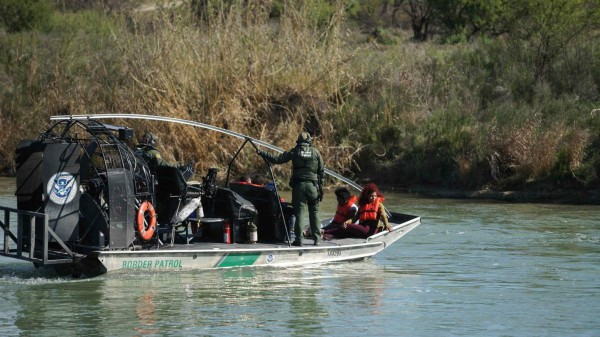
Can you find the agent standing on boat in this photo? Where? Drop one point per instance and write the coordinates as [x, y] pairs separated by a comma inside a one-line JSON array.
[[371, 216], [306, 183]]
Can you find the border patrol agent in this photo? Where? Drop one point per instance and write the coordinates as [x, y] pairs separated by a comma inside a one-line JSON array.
[[306, 183], [147, 150]]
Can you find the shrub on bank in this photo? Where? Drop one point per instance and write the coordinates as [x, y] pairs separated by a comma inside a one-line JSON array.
[[25, 15]]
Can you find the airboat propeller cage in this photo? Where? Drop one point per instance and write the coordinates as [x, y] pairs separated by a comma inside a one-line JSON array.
[[81, 174]]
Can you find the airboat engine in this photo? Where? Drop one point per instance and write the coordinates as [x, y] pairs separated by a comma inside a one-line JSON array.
[[86, 179]]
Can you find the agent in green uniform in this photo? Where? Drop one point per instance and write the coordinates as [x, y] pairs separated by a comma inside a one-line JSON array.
[[306, 183], [147, 150]]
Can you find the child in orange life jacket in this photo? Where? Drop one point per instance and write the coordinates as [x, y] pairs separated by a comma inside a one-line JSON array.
[[370, 213], [346, 209]]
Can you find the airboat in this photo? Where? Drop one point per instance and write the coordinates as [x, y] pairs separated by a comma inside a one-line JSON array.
[[87, 204]]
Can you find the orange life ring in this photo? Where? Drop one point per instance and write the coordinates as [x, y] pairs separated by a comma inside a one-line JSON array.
[[146, 232]]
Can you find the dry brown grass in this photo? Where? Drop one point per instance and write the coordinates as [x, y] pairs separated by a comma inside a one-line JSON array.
[[525, 153], [266, 81]]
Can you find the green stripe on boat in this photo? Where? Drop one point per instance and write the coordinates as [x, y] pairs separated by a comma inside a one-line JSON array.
[[239, 259]]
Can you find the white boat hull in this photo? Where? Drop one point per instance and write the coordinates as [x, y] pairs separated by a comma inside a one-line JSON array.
[[200, 256]]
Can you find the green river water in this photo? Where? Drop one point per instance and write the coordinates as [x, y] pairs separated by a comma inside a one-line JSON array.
[[472, 268]]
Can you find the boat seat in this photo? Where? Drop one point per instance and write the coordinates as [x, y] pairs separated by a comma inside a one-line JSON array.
[[172, 193], [170, 180], [266, 202]]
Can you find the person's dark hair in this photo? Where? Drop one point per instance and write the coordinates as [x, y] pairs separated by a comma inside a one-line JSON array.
[[367, 190], [259, 179], [246, 179], [343, 193]]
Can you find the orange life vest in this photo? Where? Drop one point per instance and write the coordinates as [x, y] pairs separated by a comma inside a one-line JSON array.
[[342, 211], [369, 211], [246, 183]]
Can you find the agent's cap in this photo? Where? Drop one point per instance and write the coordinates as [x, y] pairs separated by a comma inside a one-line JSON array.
[[149, 138], [304, 137]]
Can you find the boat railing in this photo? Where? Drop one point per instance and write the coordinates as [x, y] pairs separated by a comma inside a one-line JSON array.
[[24, 244], [402, 223]]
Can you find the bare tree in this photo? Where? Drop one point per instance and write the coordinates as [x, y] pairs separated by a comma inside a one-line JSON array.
[[420, 13], [395, 8]]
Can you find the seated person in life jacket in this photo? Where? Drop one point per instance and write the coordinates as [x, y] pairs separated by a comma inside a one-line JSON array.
[[346, 209], [147, 150], [371, 216]]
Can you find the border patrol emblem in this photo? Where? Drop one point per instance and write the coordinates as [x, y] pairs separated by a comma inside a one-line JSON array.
[[62, 188]]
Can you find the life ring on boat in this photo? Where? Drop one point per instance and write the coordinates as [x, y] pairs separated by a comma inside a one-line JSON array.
[[146, 232]]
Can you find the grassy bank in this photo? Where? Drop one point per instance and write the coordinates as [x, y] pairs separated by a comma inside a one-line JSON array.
[[470, 115]]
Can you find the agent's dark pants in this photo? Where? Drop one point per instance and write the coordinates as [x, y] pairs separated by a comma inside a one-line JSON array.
[[304, 193]]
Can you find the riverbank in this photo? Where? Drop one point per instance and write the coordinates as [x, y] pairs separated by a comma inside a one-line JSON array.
[[558, 196]]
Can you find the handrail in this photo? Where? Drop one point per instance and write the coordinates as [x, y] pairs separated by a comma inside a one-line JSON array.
[[204, 126], [24, 218], [196, 124]]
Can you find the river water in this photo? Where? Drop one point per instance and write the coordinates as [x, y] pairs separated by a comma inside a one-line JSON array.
[[472, 268]]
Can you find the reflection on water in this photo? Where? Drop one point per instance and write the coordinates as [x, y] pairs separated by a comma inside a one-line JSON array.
[[471, 269], [146, 314], [302, 302], [73, 304]]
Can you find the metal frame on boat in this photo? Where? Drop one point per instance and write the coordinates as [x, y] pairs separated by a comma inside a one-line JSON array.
[[85, 205]]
